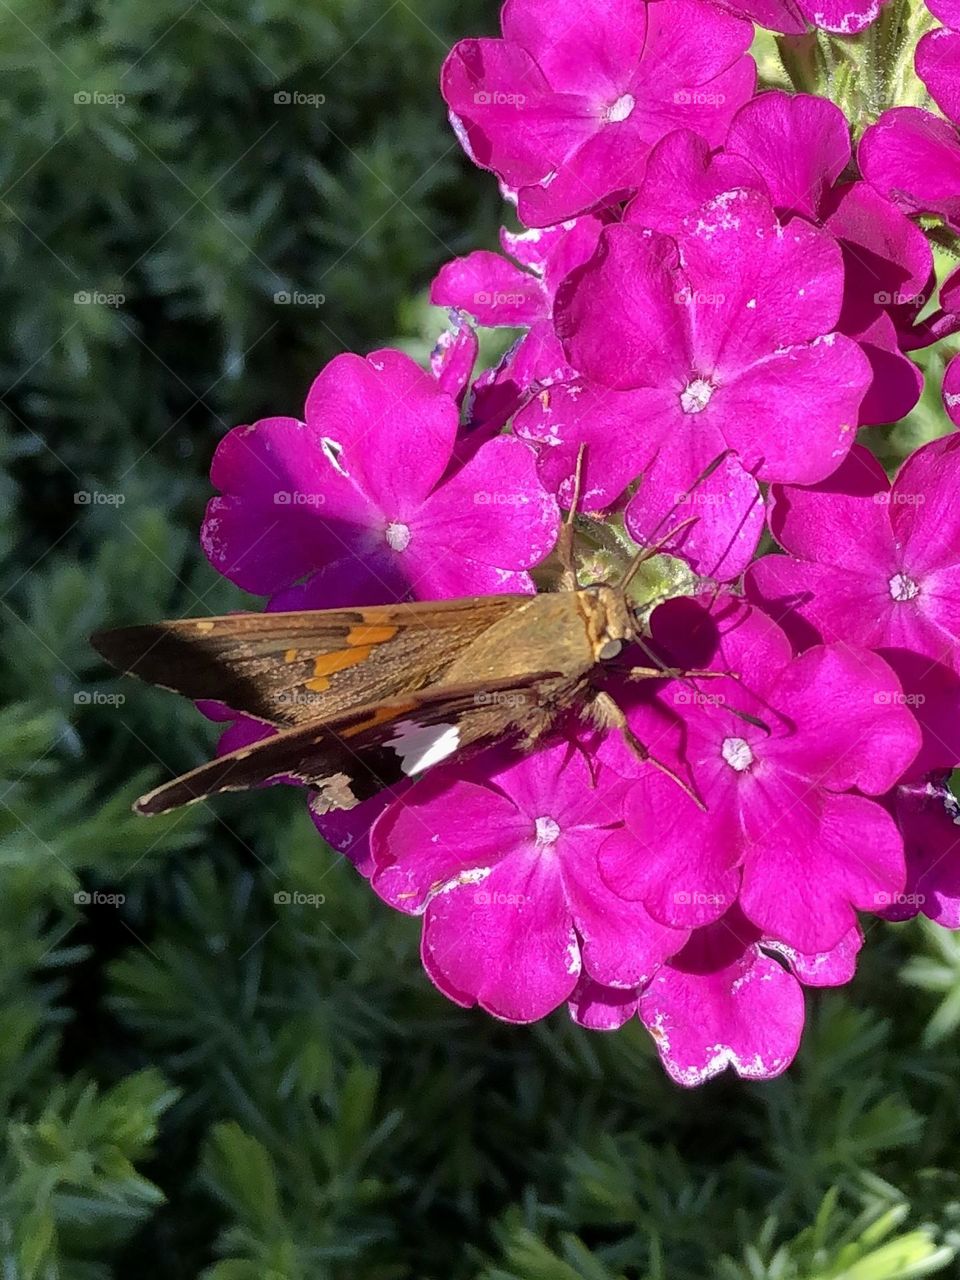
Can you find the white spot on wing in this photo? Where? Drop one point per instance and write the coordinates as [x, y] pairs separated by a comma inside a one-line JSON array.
[[422, 746]]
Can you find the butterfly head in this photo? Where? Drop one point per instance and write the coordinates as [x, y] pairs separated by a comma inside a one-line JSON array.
[[610, 620]]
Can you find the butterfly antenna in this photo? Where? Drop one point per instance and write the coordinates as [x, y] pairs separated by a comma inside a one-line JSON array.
[[565, 541], [651, 550], [655, 659]]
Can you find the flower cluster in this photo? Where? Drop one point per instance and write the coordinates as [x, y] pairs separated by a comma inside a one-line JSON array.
[[716, 287]]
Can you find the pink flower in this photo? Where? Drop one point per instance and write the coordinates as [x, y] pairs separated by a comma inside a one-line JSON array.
[[783, 831], [501, 860], [722, 1001], [566, 106], [360, 495], [869, 563], [913, 158], [725, 334], [794, 148]]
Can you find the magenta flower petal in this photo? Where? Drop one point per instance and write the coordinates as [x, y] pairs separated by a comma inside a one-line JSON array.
[[726, 510], [621, 316], [600, 1008], [815, 859], [841, 16], [945, 11], [798, 144], [722, 1004], [588, 51], [606, 168], [951, 390], [454, 356], [897, 383], [503, 861], [357, 495], [831, 968], [887, 259], [621, 944], [937, 60], [831, 373], [929, 817], [616, 426], [857, 730], [479, 940], [682, 173], [509, 117], [266, 530], [825, 722], [932, 693], [415, 849], [924, 513], [388, 423], [844, 521], [776, 15], [491, 289], [914, 158], [676, 858], [493, 511]]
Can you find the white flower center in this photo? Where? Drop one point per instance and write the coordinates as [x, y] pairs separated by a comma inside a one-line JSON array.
[[903, 588], [737, 753], [548, 830], [621, 109], [696, 395], [398, 536]]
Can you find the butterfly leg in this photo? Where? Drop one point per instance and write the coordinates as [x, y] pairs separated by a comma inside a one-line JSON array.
[[608, 714]]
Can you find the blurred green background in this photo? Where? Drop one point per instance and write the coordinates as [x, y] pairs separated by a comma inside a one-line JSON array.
[[194, 1080]]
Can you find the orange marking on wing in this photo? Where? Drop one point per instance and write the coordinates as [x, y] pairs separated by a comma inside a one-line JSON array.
[[328, 664], [290, 655], [382, 715], [368, 634]]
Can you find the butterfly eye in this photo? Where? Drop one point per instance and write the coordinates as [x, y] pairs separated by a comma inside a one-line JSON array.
[[610, 649]]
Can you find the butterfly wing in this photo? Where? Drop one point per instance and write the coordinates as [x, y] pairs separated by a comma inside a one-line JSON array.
[[353, 756], [291, 668]]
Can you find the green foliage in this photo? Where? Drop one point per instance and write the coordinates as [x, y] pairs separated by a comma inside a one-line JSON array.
[[198, 1078]]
